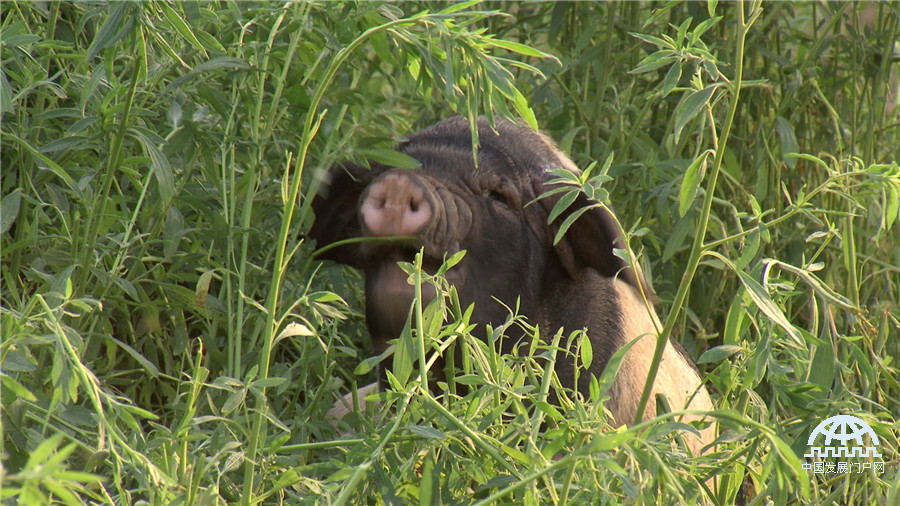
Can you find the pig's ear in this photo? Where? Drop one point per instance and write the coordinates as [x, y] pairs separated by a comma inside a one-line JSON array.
[[335, 207], [589, 242]]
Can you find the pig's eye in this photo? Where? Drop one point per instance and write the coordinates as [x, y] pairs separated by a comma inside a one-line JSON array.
[[498, 195], [499, 189]]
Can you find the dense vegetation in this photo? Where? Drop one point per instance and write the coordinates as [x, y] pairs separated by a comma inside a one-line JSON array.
[[168, 337]]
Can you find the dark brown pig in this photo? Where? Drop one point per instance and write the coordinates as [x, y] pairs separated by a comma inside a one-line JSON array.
[[449, 205]]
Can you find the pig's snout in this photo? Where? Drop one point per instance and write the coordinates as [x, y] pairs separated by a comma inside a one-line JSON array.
[[395, 204]]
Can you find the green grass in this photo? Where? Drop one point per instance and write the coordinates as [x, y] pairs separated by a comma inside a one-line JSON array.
[[168, 337]]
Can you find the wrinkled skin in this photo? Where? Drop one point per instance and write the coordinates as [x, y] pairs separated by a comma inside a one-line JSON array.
[[448, 204]]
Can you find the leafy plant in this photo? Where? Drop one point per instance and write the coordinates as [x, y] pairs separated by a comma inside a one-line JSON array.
[[167, 335]]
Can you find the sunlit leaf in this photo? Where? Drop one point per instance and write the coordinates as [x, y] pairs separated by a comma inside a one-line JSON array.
[[693, 176], [719, 353], [690, 107], [391, 158]]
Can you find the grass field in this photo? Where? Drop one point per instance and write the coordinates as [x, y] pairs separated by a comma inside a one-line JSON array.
[[169, 338]]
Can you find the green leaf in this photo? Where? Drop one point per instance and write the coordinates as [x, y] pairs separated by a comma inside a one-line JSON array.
[[813, 159], [718, 353], [143, 413], [428, 432], [111, 31], [891, 208], [749, 250], [762, 300], [691, 183], [234, 401], [268, 382], [433, 316], [159, 164], [550, 410], [23, 39], [562, 205], [50, 164], [64, 143], [702, 27], [404, 353], [16, 361], [147, 365], [517, 48], [672, 78], [793, 462], [61, 492], [656, 41], [43, 451], [219, 63], [815, 283], [6, 104], [456, 7], [654, 61], [449, 77], [173, 231], [391, 158], [181, 27], [426, 483], [9, 210], [822, 366], [689, 107], [451, 262], [16, 388], [682, 31], [606, 441], [568, 223], [202, 288], [788, 141], [565, 143], [517, 455], [679, 233], [863, 361], [471, 380], [369, 364], [77, 476], [521, 104], [735, 321], [611, 370], [587, 351], [208, 41], [295, 329]]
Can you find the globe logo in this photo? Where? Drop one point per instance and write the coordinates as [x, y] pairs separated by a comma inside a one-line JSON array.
[[843, 428]]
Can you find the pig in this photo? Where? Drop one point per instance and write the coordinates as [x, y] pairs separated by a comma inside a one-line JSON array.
[[490, 210]]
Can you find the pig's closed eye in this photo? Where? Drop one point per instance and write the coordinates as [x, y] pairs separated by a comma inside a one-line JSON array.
[[500, 190], [499, 196]]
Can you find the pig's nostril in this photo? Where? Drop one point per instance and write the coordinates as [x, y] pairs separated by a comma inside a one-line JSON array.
[[395, 204]]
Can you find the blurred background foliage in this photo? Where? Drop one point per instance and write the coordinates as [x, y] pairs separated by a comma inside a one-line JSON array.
[[167, 336]]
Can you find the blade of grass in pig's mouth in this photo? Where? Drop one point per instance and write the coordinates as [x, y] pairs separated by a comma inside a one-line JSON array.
[[394, 240]]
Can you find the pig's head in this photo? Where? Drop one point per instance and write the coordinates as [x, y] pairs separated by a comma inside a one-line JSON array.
[[448, 204]]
